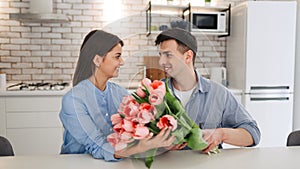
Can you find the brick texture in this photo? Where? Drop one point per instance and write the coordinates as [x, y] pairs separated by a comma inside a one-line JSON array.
[[31, 51]]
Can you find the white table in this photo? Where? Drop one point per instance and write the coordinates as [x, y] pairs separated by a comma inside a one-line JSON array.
[[241, 158]]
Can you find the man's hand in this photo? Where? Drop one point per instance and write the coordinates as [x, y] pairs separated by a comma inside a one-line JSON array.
[[213, 137]]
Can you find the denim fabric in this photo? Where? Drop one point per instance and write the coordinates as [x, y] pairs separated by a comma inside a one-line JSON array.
[[212, 105], [85, 115]]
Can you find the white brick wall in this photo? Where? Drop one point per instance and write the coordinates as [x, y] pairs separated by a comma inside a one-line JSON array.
[[49, 51]]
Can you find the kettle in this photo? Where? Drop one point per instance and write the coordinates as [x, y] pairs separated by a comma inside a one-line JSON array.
[[218, 74]]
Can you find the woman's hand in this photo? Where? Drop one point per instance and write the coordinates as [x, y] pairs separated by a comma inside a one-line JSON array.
[[177, 146], [162, 139]]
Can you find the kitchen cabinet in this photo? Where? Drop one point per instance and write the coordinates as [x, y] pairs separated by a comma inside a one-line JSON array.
[[32, 124], [185, 12], [2, 116], [30, 121]]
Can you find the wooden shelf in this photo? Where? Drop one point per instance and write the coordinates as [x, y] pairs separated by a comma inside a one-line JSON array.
[[198, 33]]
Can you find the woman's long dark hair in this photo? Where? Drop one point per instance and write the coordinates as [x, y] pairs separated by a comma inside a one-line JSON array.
[[96, 42]]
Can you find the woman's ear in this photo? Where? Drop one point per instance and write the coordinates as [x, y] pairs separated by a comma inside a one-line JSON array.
[[97, 60]]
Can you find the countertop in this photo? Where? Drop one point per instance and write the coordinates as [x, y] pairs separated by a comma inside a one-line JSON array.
[[35, 92], [132, 86], [245, 158]]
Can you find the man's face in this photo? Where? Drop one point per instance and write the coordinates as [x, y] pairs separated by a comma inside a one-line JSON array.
[[171, 60]]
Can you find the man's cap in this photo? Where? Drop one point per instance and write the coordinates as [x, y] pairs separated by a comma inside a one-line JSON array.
[[179, 34]]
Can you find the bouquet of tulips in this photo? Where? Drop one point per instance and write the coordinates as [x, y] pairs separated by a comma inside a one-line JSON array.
[[149, 109]]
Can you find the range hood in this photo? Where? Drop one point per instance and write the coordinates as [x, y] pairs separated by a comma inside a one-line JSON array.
[[40, 11]]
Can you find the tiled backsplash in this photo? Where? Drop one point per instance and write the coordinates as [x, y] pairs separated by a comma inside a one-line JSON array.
[[48, 51]]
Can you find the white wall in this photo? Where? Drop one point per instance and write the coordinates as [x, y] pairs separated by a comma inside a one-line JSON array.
[[48, 51], [297, 74]]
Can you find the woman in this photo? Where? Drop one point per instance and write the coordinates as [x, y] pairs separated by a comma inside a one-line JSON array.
[[88, 106]]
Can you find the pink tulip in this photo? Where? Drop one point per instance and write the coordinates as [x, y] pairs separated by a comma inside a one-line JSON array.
[[146, 82], [167, 121], [144, 117], [126, 137], [128, 126], [125, 101], [145, 114], [113, 138], [131, 110], [140, 92], [157, 85], [146, 106], [118, 128], [156, 97], [115, 118], [140, 132]]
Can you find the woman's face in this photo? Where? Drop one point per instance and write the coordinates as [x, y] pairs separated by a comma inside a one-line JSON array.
[[111, 62]]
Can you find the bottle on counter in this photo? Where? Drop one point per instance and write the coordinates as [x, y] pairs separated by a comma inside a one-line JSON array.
[[2, 81]]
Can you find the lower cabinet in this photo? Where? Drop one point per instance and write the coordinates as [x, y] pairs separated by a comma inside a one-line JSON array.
[[32, 124], [2, 117]]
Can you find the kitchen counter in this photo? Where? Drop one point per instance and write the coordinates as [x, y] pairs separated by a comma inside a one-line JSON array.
[[130, 86], [35, 93], [246, 158]]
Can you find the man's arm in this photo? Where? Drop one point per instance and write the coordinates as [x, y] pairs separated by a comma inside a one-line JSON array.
[[237, 137]]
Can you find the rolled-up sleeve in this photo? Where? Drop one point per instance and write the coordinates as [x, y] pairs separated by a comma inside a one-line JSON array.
[[236, 116]]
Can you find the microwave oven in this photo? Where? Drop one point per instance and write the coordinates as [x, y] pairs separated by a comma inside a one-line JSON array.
[[208, 21]]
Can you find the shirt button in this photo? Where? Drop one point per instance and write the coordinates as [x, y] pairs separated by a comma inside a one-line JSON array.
[[106, 114]]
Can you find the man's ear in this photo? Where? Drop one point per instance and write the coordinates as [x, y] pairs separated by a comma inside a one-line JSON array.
[[97, 60], [189, 56]]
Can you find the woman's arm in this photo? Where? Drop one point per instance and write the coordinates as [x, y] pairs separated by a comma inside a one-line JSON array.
[[82, 131]]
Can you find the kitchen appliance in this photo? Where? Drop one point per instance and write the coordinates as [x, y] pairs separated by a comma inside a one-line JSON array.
[[45, 86], [260, 62], [218, 74], [40, 11], [208, 21]]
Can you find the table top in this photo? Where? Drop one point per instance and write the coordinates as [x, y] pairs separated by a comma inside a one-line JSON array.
[[246, 158]]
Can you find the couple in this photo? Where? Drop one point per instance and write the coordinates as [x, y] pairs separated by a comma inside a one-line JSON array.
[[88, 106]]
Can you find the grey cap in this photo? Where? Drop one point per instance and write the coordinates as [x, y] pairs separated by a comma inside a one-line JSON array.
[[179, 34]]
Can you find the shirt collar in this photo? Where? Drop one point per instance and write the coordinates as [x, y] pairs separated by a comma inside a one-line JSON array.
[[92, 86], [203, 84]]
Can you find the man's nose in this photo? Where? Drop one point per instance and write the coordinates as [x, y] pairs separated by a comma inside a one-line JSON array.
[[161, 61]]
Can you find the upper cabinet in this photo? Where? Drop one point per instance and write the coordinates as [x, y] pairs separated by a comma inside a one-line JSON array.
[[210, 20]]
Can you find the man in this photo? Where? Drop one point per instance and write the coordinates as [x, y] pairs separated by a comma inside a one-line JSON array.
[[212, 106]]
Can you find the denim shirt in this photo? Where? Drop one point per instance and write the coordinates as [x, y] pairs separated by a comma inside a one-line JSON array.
[[211, 106], [85, 115]]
